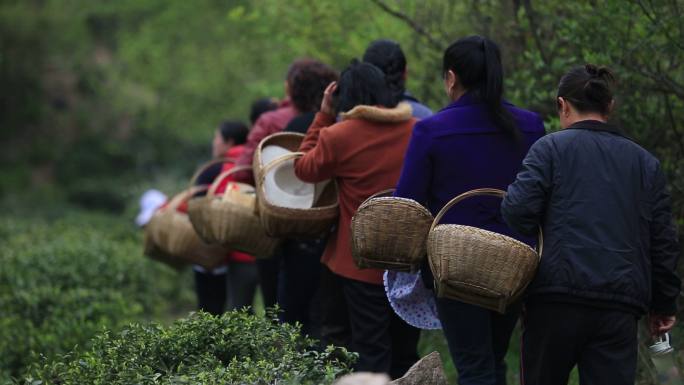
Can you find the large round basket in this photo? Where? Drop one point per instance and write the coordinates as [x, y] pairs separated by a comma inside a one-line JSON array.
[[390, 233], [290, 222], [229, 219], [173, 239], [477, 266]]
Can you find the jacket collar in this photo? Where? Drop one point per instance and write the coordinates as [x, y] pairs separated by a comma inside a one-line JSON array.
[[468, 99], [595, 125], [235, 151], [401, 113]]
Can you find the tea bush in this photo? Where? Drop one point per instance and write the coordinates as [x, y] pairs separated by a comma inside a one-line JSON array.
[[236, 348], [63, 281]]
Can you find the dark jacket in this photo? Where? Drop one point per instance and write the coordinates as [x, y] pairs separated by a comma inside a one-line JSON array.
[[301, 123], [609, 238]]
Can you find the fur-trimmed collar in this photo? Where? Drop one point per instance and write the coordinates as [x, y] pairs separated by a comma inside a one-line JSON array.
[[401, 113]]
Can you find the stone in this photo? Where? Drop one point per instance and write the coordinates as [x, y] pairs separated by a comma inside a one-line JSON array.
[[363, 378], [427, 371]]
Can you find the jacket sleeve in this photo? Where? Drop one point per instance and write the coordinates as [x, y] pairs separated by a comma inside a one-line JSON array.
[[416, 172], [319, 160], [525, 203], [665, 283]]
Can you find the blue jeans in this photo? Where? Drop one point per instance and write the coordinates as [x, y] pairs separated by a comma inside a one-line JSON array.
[[478, 340]]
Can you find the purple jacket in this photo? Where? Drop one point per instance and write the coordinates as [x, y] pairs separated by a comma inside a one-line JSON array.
[[459, 149]]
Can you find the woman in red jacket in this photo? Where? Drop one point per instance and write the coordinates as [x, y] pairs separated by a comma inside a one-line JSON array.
[[364, 153], [235, 282]]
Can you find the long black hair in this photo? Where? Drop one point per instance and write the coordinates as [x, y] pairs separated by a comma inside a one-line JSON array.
[[588, 88], [389, 57], [476, 61], [362, 84]]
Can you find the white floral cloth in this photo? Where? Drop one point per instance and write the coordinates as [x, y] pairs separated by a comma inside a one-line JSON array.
[[411, 300]]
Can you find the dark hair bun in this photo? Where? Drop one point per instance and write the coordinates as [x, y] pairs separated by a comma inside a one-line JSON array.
[[588, 88]]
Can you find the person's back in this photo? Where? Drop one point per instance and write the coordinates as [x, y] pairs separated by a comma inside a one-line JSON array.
[[601, 200], [466, 151], [610, 245], [364, 153]]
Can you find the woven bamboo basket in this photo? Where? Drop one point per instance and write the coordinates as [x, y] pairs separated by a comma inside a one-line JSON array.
[[153, 251], [477, 266], [229, 219], [289, 222], [173, 239], [390, 233]]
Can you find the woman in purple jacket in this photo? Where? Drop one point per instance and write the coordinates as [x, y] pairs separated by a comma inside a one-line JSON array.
[[479, 140]]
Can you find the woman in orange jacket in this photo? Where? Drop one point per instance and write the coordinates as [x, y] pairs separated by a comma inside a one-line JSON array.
[[363, 152]]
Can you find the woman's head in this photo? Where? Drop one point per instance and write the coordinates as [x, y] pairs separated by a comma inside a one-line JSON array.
[[260, 106], [362, 84], [228, 134], [306, 81], [389, 57], [585, 92], [473, 64]]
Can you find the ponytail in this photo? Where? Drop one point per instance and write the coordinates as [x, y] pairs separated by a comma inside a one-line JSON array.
[[476, 61], [491, 90]]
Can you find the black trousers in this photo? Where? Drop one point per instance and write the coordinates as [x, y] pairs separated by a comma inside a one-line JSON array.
[[558, 336], [335, 327], [269, 269], [478, 340], [233, 289], [298, 282], [385, 343]]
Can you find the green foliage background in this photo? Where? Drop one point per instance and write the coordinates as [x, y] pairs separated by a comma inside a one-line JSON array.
[[100, 100]]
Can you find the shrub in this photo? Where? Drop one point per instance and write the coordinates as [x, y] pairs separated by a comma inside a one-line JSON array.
[[64, 281], [236, 348]]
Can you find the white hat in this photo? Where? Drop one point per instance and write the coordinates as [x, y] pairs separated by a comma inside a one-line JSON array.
[[281, 185], [150, 201]]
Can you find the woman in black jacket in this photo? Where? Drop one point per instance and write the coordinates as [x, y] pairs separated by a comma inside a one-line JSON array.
[[610, 244]]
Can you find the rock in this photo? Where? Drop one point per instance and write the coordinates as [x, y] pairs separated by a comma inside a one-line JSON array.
[[363, 379], [427, 371]]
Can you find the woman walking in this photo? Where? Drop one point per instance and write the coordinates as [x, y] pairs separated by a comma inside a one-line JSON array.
[[477, 141], [610, 243], [363, 153]]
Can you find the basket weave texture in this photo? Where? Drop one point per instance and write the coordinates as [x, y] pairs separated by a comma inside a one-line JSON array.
[[171, 238], [477, 266], [289, 222], [390, 233], [229, 220]]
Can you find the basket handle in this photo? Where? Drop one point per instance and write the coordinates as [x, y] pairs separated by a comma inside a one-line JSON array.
[[277, 134], [277, 161], [223, 176], [382, 193], [184, 195], [478, 192], [204, 166]]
